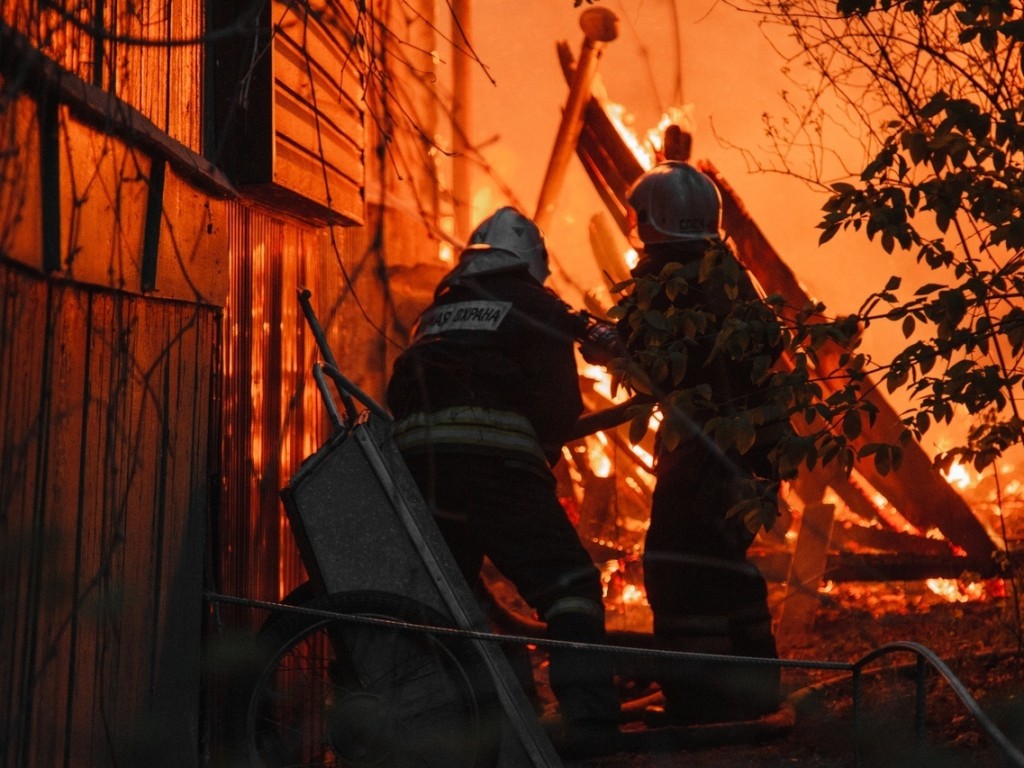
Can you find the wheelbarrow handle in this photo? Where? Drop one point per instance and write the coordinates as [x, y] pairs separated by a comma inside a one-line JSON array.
[[343, 384], [327, 355]]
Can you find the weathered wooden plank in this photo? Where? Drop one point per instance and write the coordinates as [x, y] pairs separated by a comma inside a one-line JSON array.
[[124, 620], [91, 596], [142, 74], [182, 379], [21, 214], [23, 409], [305, 94], [97, 502], [805, 573], [327, 77], [321, 142], [297, 166], [193, 246], [70, 45], [56, 611], [103, 202]]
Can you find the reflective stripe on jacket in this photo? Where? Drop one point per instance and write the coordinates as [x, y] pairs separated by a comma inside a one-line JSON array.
[[502, 432]]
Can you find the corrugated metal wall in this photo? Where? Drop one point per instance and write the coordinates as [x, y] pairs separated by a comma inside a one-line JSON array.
[[273, 414], [105, 404]]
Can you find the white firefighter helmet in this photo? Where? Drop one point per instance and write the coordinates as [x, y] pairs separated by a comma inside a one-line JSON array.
[[504, 241], [674, 203]]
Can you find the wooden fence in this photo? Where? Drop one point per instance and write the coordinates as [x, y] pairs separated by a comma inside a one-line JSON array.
[[105, 407]]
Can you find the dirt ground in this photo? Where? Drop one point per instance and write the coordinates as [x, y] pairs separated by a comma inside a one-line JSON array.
[[977, 640]]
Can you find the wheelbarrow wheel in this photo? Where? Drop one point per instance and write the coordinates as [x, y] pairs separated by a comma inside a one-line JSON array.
[[348, 692]]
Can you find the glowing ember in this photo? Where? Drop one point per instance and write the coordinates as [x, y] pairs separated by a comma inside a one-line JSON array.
[[957, 590], [631, 593], [619, 586]]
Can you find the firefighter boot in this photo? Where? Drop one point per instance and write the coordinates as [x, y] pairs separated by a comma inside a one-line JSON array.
[[759, 683], [582, 681], [694, 689], [711, 691]]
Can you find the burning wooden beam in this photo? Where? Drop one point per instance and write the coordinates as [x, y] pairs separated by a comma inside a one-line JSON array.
[[600, 27]]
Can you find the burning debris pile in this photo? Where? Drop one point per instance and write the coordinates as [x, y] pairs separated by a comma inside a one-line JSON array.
[[908, 525]]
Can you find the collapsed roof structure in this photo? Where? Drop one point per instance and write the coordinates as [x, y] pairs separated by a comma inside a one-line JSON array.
[[905, 524]]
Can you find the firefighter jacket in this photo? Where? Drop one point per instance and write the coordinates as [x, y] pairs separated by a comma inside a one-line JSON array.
[[731, 381], [491, 370]]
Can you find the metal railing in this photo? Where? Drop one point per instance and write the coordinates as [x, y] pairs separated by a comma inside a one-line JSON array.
[[924, 656]]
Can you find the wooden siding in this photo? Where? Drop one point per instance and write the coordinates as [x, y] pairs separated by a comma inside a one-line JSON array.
[[105, 403], [96, 212], [133, 59], [294, 138]]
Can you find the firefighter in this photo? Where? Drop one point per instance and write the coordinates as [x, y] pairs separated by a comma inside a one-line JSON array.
[[705, 596], [483, 401]]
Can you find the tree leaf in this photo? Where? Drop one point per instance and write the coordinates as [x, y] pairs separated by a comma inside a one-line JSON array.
[[908, 326], [638, 427], [851, 424]]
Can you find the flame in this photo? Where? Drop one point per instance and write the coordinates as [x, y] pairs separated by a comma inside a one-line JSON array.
[[445, 250], [956, 590], [618, 586], [603, 383], [622, 119], [959, 476], [681, 116], [631, 594], [597, 454], [647, 148]]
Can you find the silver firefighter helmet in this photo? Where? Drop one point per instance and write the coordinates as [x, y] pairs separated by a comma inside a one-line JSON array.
[[504, 241], [674, 203]]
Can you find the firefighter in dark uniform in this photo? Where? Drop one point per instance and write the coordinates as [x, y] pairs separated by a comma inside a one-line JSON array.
[[483, 401], [706, 597]]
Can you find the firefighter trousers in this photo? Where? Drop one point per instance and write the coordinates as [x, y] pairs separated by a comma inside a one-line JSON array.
[[508, 511]]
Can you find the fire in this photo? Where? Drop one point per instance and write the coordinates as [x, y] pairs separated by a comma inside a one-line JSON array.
[[648, 148], [959, 476], [597, 454], [603, 383], [621, 119], [957, 590], [620, 587]]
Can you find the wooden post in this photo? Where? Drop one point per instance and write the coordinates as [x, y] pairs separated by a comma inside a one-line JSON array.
[[600, 26], [805, 572], [462, 167]]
